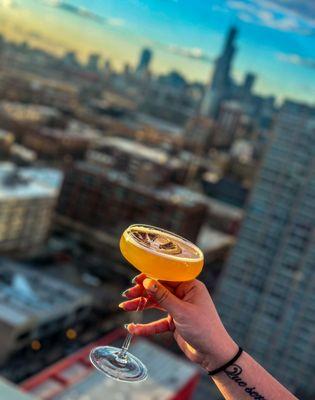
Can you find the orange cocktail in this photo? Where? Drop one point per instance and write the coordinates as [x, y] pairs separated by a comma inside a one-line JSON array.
[[161, 254]]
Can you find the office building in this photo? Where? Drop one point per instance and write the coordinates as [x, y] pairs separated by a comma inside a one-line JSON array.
[[221, 79], [266, 296], [109, 201], [70, 60], [247, 87], [26, 209], [169, 99], [226, 189], [170, 377], [34, 307], [20, 118], [232, 124], [199, 132], [144, 164], [143, 66], [56, 144], [93, 63]]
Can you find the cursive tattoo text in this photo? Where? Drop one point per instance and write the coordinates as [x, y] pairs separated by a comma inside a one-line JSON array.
[[234, 373]]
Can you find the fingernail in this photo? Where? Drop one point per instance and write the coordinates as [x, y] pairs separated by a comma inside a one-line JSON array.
[[126, 326], [124, 293], [121, 305], [150, 285], [134, 280]]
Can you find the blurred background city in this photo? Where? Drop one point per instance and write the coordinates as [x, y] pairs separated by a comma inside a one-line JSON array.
[[194, 115]]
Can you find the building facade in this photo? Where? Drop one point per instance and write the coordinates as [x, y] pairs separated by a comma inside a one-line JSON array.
[[26, 208], [109, 200], [34, 307], [266, 296]]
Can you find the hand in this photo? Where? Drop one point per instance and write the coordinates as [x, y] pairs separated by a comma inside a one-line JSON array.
[[192, 317]]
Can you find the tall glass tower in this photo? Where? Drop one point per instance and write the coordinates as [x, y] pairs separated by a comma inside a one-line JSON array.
[[221, 79], [267, 293], [144, 62]]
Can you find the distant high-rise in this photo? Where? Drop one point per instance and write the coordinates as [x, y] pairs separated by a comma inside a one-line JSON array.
[[144, 63], [93, 62], [70, 59], [221, 79], [247, 87], [266, 297]]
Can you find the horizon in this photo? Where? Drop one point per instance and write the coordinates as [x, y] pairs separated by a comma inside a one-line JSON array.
[[118, 30]]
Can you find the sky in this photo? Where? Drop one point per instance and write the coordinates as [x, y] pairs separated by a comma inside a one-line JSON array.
[[276, 37]]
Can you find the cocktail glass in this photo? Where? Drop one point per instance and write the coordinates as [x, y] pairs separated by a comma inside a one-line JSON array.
[[161, 255]]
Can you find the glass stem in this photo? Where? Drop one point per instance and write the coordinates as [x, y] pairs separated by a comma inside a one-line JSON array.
[[125, 346]]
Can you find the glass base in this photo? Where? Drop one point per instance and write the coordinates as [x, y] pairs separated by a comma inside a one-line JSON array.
[[127, 369]]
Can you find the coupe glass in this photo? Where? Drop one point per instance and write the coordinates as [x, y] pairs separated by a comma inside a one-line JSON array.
[[160, 255]]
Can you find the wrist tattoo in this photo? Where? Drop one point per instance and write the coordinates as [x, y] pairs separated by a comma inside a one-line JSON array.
[[234, 373]]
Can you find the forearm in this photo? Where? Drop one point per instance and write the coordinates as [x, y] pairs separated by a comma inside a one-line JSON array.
[[246, 379]]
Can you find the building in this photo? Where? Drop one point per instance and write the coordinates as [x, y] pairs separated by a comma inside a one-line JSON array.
[[168, 101], [247, 87], [11, 392], [266, 296], [221, 79], [143, 66], [70, 60], [233, 123], [57, 144], [199, 132], [224, 217], [20, 118], [93, 63], [226, 189], [144, 164], [109, 201], [34, 307], [6, 142], [26, 208], [170, 377], [21, 155]]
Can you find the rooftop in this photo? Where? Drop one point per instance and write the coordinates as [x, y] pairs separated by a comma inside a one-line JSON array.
[[171, 193], [9, 392], [168, 375], [211, 240], [23, 183], [218, 207], [28, 296], [31, 113], [135, 148], [144, 120]]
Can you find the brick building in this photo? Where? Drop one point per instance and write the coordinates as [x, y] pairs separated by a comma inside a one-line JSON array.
[[108, 200]]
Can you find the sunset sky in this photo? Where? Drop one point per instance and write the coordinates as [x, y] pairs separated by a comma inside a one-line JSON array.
[[276, 40]]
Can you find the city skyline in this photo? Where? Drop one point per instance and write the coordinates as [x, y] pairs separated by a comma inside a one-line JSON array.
[[119, 30]]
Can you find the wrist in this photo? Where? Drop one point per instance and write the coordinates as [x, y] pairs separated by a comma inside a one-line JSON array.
[[224, 350]]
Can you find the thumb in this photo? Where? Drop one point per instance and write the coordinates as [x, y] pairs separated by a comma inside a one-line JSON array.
[[163, 296]]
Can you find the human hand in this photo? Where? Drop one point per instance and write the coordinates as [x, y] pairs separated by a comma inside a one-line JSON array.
[[192, 317]]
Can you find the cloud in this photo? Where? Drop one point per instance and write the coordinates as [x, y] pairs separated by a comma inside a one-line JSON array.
[[283, 15], [85, 13], [195, 53], [296, 59], [116, 21]]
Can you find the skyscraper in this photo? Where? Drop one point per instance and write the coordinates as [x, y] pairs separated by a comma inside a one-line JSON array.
[[247, 87], [221, 79], [93, 62], [144, 63], [266, 296]]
